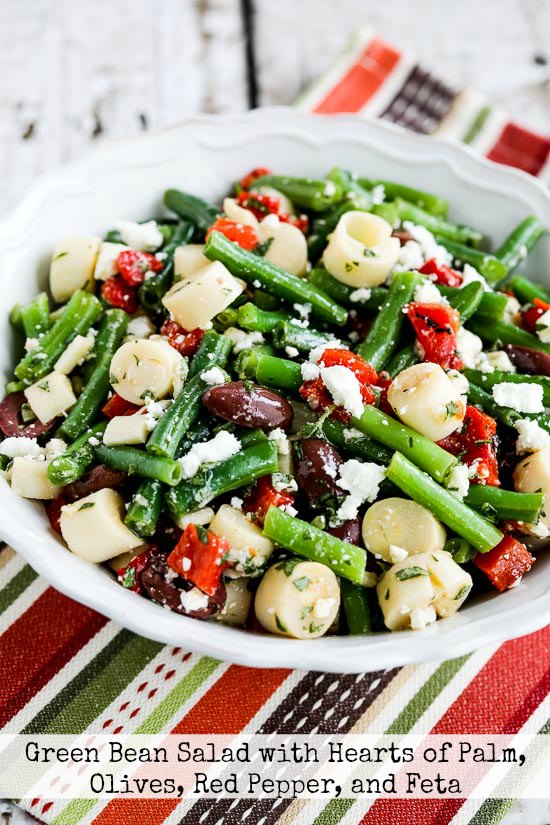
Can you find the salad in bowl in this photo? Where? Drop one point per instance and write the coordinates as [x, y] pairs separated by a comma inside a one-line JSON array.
[[317, 407]]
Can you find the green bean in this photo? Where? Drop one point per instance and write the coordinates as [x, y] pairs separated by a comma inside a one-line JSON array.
[[322, 227], [487, 380], [506, 333], [506, 415], [79, 314], [178, 418], [355, 600], [263, 300], [113, 236], [213, 351], [144, 510], [351, 187], [216, 479], [380, 343], [190, 208], [354, 442], [505, 504], [111, 332], [402, 360], [259, 320], [152, 289], [491, 267], [444, 505], [35, 316], [465, 300], [225, 319], [291, 335], [75, 460], [425, 200], [460, 549], [526, 291], [279, 373], [246, 362], [492, 307], [15, 386], [307, 193], [346, 560], [252, 268], [519, 243], [198, 431], [438, 226], [133, 461], [323, 280], [426, 454]]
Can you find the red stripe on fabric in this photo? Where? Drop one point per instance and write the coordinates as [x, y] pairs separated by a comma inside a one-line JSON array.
[[520, 148], [362, 80], [227, 707], [39, 644], [485, 706]]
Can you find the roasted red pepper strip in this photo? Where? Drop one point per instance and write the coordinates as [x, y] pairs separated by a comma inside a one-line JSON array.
[[129, 576], [530, 316], [443, 274], [186, 343], [262, 496], [436, 327], [248, 180], [245, 236], [317, 395], [53, 511], [133, 266], [119, 294], [117, 405], [475, 446], [199, 558], [261, 205], [506, 563]]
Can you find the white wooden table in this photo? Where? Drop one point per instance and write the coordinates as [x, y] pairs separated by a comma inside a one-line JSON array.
[[74, 72]]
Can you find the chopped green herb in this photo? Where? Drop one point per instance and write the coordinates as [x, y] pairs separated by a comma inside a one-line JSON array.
[[86, 505], [301, 583], [280, 625], [410, 573]]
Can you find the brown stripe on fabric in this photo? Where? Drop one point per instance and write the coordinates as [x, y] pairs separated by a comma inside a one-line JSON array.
[[421, 103], [320, 703], [6, 553]]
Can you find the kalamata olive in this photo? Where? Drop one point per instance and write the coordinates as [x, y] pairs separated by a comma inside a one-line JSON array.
[[11, 423], [248, 405], [531, 361], [403, 235], [96, 479], [167, 593], [349, 531], [316, 466]]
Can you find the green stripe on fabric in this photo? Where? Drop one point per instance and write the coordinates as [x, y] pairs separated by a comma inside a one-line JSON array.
[[154, 723], [16, 586], [96, 686], [477, 124], [421, 701]]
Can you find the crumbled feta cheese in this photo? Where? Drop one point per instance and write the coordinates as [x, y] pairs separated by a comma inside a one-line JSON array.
[[531, 436], [323, 608], [410, 257], [303, 310], [193, 599], [330, 189], [143, 236], [526, 398], [153, 411], [236, 502], [292, 352], [470, 275], [310, 371], [30, 344], [21, 447], [288, 508], [140, 327], [281, 441], [140, 500], [243, 340], [362, 480], [543, 327], [55, 447], [469, 347], [421, 617], [180, 376], [93, 441], [428, 293], [397, 553], [539, 530], [428, 244], [498, 360], [378, 194], [284, 483], [213, 376], [512, 309], [222, 446], [361, 294], [458, 482], [344, 387]]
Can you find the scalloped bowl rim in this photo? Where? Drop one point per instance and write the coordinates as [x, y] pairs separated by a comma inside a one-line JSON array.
[[492, 621]]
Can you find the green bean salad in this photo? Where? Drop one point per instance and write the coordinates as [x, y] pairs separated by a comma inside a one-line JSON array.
[[320, 406]]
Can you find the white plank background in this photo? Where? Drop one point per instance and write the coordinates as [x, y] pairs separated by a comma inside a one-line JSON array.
[[75, 72]]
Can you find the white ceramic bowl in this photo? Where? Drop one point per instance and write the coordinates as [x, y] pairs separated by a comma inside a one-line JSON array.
[[203, 155]]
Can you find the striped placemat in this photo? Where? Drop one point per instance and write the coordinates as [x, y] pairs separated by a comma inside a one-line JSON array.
[[70, 670]]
